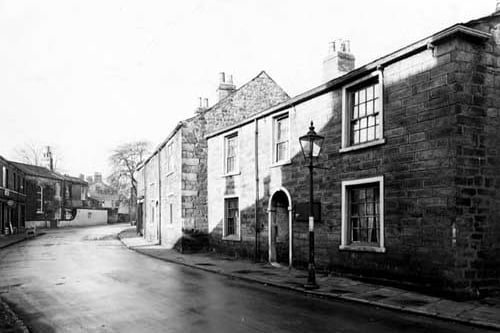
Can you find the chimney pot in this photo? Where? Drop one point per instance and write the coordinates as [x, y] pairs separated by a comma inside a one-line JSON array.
[[222, 77], [206, 103], [200, 99]]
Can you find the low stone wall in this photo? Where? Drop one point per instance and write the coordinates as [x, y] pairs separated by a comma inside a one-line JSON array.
[[37, 224], [86, 217]]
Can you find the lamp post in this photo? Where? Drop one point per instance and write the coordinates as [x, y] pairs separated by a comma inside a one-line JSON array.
[[311, 145]]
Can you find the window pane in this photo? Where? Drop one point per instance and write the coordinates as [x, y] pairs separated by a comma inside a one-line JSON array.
[[362, 96], [363, 123], [370, 209], [362, 110], [355, 235], [355, 137], [375, 91], [356, 98], [369, 107], [354, 210], [363, 236], [362, 209], [355, 195], [371, 133], [355, 112], [362, 135], [371, 121], [356, 125], [369, 93]]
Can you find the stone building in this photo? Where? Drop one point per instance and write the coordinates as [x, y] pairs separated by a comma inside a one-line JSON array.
[[410, 182], [12, 198], [50, 196], [172, 183], [105, 195]]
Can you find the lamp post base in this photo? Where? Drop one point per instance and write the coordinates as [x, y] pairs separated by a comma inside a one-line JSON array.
[[311, 278], [311, 286]]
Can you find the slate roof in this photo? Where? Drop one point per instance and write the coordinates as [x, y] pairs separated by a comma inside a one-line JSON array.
[[43, 172], [38, 171]]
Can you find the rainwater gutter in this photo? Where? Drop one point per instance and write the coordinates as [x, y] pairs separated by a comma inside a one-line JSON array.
[[256, 160], [159, 197]]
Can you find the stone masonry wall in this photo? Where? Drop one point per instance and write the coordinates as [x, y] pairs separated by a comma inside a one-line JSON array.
[[424, 155], [171, 221], [477, 84], [257, 95], [186, 187], [151, 198]]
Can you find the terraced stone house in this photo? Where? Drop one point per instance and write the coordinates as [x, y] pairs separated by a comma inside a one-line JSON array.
[[410, 182], [172, 182]]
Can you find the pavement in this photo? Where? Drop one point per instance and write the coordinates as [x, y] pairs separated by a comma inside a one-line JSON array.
[[9, 321], [482, 313], [11, 239]]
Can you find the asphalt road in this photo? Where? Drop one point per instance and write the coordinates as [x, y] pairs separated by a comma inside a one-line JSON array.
[[84, 280]]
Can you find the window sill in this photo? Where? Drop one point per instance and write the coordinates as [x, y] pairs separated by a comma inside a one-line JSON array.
[[235, 173], [281, 163], [362, 248], [233, 238], [362, 145]]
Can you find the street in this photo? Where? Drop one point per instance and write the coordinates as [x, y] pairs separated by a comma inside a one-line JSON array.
[[85, 280]]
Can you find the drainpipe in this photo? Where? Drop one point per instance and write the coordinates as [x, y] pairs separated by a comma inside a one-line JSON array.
[[159, 197], [256, 159]]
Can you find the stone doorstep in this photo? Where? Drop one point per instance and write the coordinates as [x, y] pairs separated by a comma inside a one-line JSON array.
[[386, 297]]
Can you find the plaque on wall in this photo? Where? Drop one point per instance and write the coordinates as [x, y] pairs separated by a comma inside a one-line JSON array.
[[301, 211]]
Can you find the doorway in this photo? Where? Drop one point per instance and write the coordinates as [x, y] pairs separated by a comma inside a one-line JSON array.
[[280, 228]]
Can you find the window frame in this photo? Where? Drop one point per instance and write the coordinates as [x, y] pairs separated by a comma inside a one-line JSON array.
[[347, 107], [4, 177], [275, 143], [39, 197], [236, 171], [345, 230], [237, 234], [170, 159]]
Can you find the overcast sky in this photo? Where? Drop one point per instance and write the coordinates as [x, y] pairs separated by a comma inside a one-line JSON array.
[[85, 76]]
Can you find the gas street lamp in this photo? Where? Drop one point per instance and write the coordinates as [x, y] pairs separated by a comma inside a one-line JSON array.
[[311, 145]]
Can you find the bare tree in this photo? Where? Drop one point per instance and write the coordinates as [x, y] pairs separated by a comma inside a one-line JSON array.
[[124, 160], [36, 154]]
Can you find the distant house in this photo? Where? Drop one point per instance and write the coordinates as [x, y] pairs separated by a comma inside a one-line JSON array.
[[12, 197], [50, 196], [172, 182], [102, 193]]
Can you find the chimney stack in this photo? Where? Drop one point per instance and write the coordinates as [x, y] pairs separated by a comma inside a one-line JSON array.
[[339, 60], [203, 105], [497, 9], [90, 180], [97, 177], [225, 88], [48, 158], [82, 176]]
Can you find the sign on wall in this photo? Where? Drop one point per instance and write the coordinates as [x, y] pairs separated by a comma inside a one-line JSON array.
[[301, 210]]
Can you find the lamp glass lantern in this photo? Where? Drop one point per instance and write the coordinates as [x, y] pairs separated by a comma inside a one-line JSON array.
[[311, 144]]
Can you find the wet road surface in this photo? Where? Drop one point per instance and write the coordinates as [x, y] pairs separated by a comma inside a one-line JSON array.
[[84, 280]]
